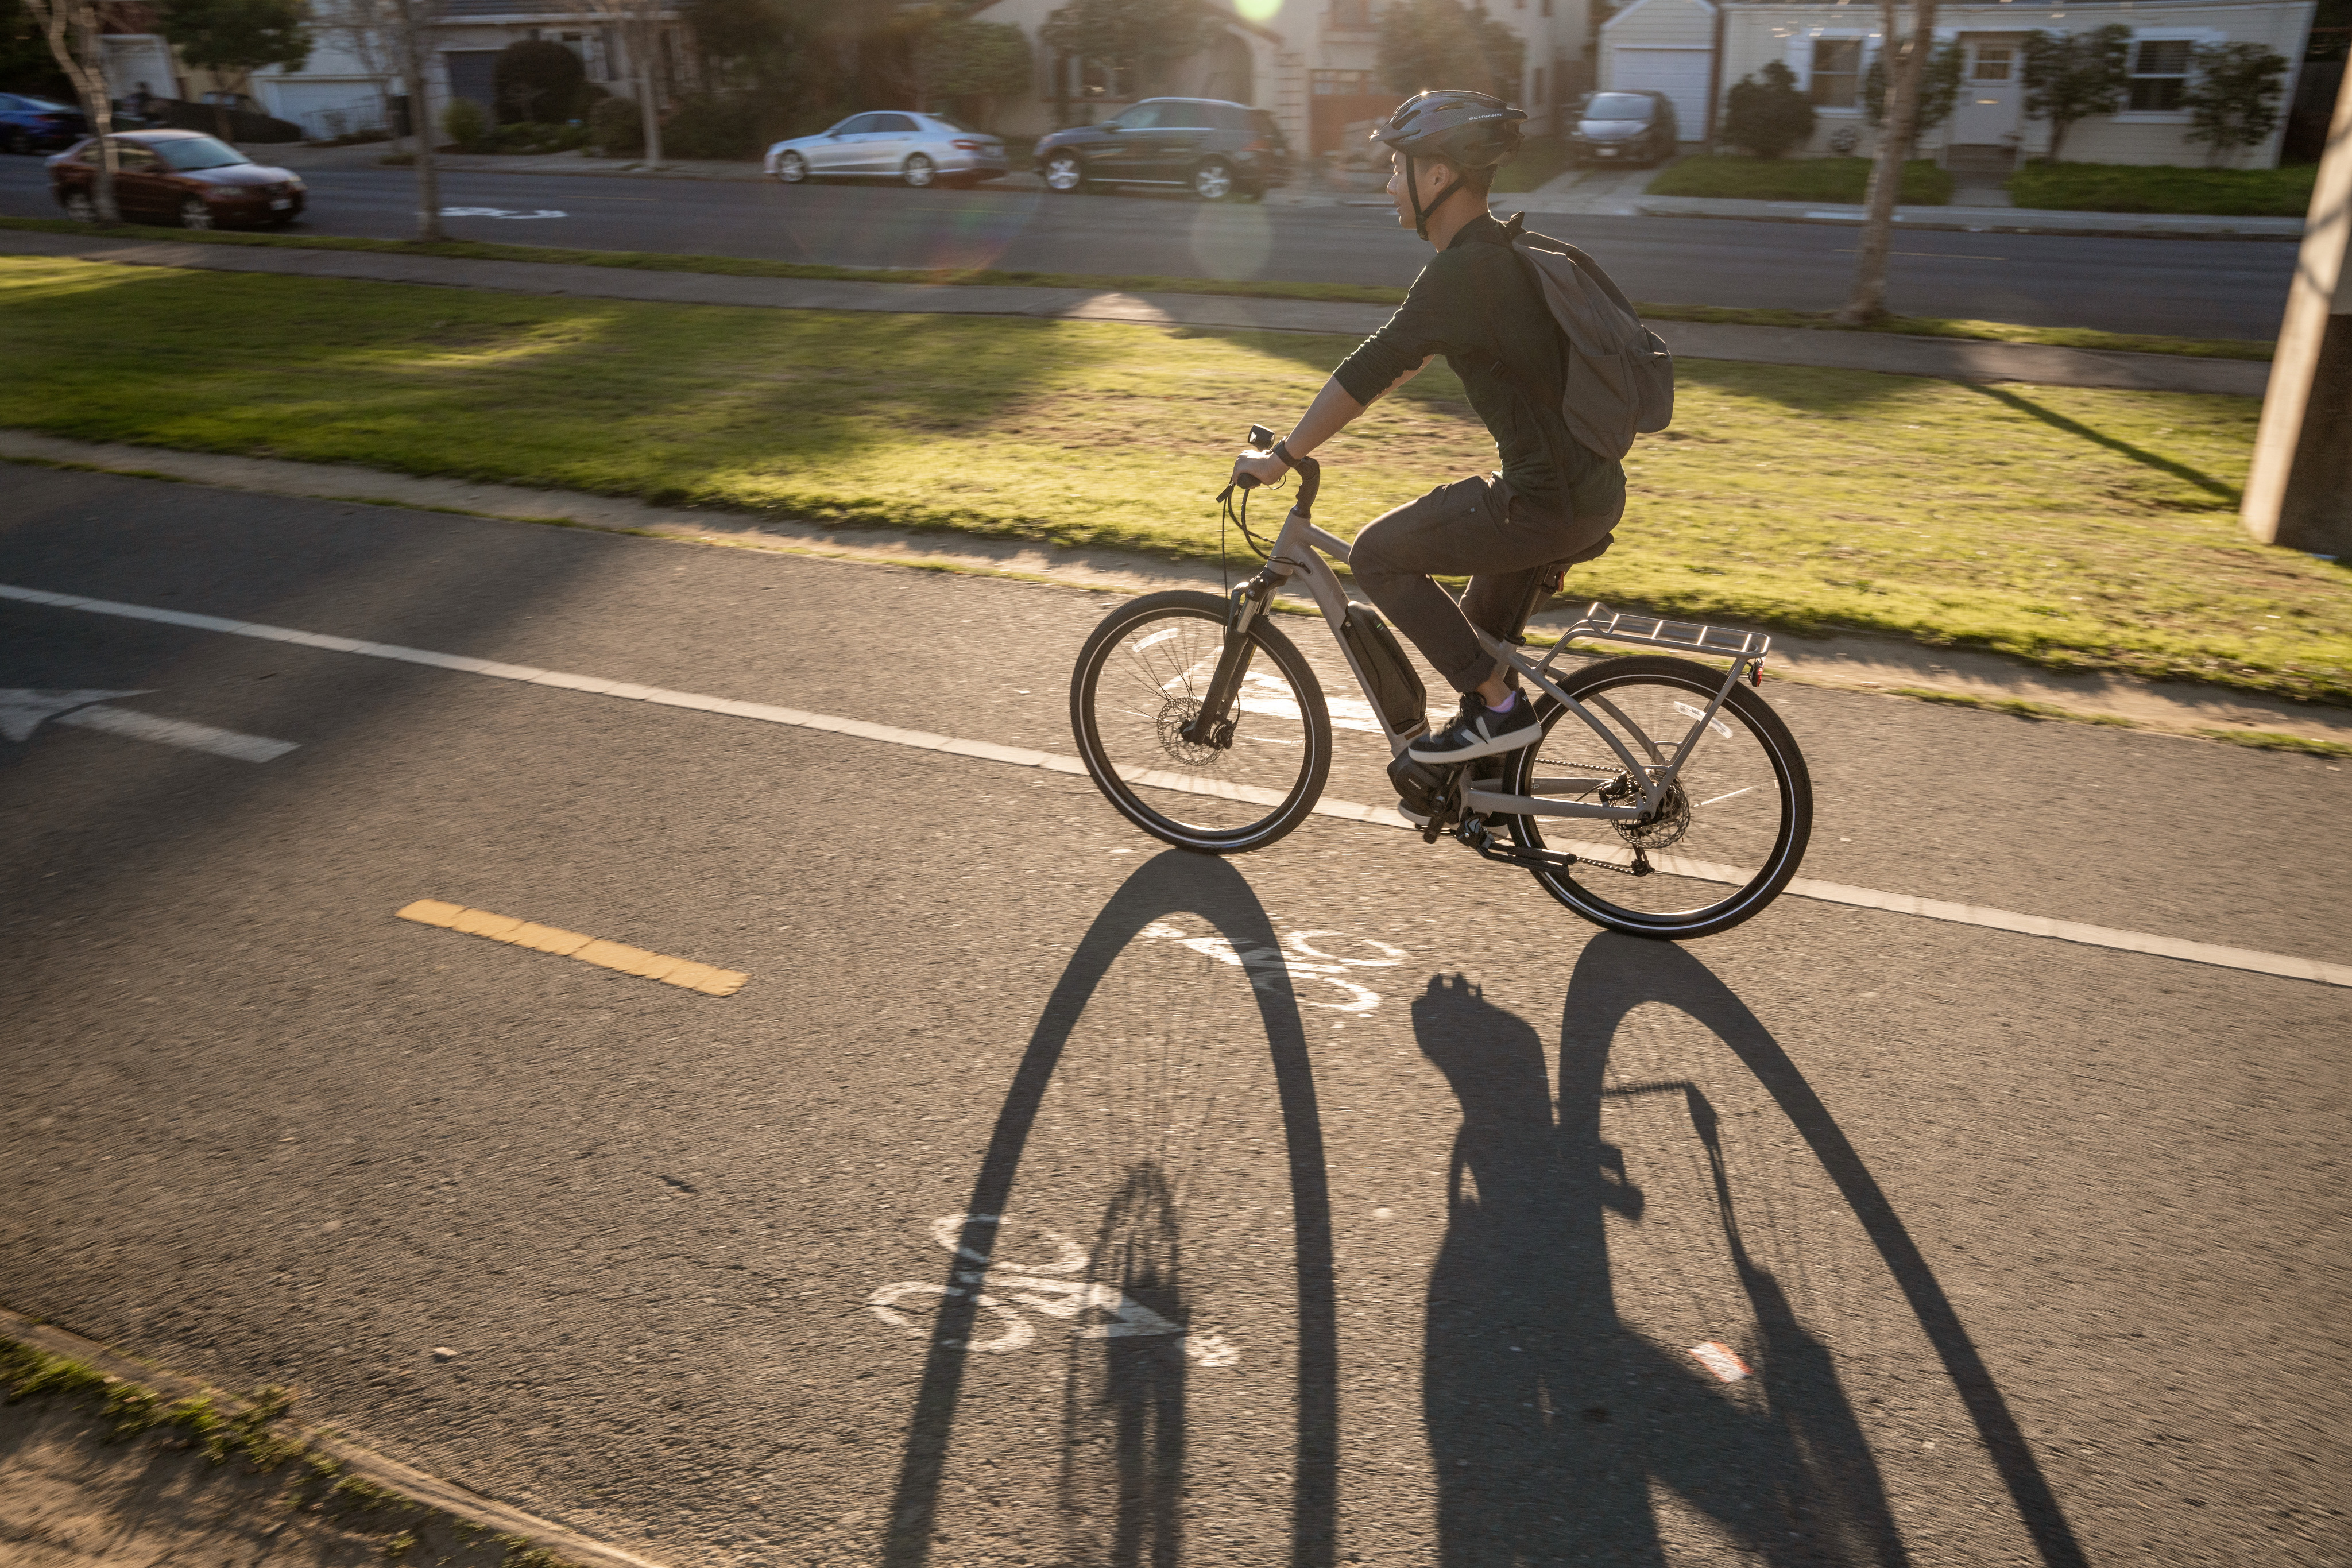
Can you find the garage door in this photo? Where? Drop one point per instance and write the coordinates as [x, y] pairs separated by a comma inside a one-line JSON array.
[[1680, 74]]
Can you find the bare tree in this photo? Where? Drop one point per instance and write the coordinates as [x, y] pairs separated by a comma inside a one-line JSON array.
[[639, 24], [368, 31], [71, 28], [1908, 55], [416, 20]]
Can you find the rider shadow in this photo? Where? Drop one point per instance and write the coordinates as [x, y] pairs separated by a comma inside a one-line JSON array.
[[1125, 1416], [1553, 1421]]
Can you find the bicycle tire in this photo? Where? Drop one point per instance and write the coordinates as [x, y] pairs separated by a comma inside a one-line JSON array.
[[1288, 807], [1751, 889]]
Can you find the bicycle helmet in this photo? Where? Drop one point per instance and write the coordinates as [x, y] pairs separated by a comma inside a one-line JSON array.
[[1467, 129]]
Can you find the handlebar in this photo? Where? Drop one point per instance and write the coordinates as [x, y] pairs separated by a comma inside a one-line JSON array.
[[1311, 473]]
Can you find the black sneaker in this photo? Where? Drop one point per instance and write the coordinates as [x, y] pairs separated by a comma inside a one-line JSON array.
[[1481, 731]]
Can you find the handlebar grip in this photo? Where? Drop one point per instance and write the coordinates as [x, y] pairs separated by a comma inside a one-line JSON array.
[[1310, 480]]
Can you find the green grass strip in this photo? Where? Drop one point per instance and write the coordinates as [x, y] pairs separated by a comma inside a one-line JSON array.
[[250, 1431], [2284, 192], [2274, 740], [1343, 293], [2078, 529], [1729, 174]]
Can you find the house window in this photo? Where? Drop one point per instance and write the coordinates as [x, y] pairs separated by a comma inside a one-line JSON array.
[[1327, 84], [2159, 73], [1837, 72], [1994, 62], [1351, 13]]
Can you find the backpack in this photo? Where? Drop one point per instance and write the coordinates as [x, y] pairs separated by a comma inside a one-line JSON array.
[[1621, 379]]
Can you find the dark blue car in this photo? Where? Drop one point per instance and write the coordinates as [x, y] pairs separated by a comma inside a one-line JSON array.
[[35, 124]]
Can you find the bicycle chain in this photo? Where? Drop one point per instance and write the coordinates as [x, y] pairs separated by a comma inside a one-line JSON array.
[[1641, 867]]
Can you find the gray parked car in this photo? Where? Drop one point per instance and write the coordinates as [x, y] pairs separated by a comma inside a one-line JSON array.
[[1631, 125], [920, 149]]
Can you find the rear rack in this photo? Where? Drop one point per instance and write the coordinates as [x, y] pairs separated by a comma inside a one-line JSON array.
[[1616, 626]]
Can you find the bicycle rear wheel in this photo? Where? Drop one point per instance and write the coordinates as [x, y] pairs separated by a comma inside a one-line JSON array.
[[1731, 831], [1139, 682]]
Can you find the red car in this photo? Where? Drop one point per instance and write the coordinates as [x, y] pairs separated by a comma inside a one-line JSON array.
[[177, 177]]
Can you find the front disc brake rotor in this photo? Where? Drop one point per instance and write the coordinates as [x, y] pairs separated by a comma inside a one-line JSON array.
[[1175, 713]]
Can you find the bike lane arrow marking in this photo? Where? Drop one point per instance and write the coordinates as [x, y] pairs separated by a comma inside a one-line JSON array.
[[24, 711]]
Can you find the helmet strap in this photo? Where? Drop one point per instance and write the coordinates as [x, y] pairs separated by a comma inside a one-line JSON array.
[[1412, 191]]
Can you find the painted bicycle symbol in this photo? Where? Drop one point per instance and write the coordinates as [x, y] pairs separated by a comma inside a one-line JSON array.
[[1095, 1311], [1296, 956]]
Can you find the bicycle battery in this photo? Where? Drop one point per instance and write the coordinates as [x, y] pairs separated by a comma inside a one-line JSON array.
[[1389, 678]]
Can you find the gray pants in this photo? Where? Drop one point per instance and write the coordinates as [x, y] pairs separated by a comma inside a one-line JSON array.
[[1514, 561]]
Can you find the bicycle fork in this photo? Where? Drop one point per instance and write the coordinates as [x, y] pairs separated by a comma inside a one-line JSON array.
[[1214, 724]]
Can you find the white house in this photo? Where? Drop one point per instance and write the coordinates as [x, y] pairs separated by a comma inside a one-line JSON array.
[[351, 73], [1311, 62], [1695, 50]]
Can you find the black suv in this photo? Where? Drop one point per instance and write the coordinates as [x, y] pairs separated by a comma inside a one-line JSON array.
[[1214, 147], [1623, 127]]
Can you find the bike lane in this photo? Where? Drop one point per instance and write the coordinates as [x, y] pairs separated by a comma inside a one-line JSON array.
[[1278, 1274]]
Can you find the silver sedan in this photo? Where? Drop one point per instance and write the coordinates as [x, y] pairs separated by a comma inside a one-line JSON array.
[[920, 149]]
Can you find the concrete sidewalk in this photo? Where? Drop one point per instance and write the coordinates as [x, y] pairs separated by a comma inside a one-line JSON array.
[[1953, 359], [1621, 192]]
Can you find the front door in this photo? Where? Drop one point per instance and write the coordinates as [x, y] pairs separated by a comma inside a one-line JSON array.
[[1988, 112], [836, 152], [1126, 154], [141, 183]]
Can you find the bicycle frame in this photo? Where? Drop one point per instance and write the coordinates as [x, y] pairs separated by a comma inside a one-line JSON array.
[[1297, 555]]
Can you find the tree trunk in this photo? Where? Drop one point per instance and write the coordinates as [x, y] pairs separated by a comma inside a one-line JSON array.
[[71, 29], [2058, 138], [1866, 302], [647, 116], [420, 119]]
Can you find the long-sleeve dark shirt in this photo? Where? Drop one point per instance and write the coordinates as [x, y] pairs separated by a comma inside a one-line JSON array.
[[1475, 304]]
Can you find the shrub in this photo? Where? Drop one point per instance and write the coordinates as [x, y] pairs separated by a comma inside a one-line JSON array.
[[539, 80], [541, 138], [2072, 76], [1767, 117], [713, 125], [464, 123], [615, 130], [2234, 101]]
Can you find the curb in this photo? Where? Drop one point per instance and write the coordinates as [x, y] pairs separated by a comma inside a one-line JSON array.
[[1859, 663], [454, 1498], [1975, 220]]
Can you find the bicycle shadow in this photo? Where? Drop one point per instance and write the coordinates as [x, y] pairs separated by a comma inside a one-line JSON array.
[[1136, 1388], [1554, 1420]]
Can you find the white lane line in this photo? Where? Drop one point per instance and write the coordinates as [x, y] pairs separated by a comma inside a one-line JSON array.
[[177, 732], [1991, 919]]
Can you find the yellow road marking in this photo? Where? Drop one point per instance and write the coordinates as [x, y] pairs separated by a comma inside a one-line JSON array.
[[707, 979]]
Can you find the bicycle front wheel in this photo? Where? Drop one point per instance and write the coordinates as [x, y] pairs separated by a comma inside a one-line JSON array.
[[1734, 824], [1139, 682]]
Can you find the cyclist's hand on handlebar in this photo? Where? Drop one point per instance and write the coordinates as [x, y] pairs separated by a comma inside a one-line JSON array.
[[1253, 469]]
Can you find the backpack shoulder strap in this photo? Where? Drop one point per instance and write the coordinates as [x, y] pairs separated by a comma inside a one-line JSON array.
[[1522, 237]]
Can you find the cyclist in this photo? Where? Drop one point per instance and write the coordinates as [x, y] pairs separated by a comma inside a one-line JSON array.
[[1553, 503]]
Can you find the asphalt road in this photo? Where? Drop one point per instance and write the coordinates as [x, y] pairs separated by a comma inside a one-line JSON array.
[[2033, 1248], [2192, 288]]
